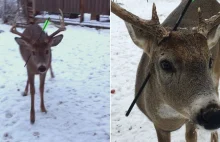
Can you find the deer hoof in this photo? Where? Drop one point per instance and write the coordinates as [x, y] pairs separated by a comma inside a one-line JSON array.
[[32, 121], [32, 117], [43, 109], [24, 94]]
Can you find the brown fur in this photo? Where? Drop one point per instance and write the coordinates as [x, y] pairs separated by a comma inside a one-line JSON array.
[[39, 51], [190, 55]]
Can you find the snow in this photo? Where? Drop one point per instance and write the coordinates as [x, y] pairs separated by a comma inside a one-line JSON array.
[[125, 56], [104, 20], [77, 99]]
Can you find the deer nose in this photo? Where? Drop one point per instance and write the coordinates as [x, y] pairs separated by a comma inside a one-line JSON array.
[[42, 69], [210, 117]]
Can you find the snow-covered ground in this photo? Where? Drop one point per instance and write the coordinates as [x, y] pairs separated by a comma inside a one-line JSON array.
[[77, 99], [125, 56]]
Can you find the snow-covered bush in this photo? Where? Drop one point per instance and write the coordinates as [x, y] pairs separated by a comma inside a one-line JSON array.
[[8, 9]]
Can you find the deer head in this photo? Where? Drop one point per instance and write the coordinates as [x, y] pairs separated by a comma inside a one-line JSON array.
[[180, 63], [39, 44]]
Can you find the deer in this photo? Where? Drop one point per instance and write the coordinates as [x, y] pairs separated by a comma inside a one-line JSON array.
[[184, 68], [35, 48]]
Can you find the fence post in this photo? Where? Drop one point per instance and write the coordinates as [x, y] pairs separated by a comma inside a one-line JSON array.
[[34, 7], [81, 11]]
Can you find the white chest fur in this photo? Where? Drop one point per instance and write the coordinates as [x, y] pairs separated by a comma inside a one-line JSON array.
[[167, 112]]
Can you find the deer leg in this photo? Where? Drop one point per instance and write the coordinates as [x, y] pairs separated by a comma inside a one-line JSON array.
[[42, 80], [191, 134], [26, 89], [32, 90], [214, 137], [51, 71], [163, 136]]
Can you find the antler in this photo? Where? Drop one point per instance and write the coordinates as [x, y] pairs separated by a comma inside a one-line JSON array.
[[62, 26], [152, 26], [14, 30], [206, 25]]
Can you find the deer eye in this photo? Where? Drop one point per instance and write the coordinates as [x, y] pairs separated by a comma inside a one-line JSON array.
[[167, 66], [47, 51], [211, 62], [33, 53]]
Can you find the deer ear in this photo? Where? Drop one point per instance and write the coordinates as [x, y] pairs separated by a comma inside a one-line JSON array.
[[22, 42], [140, 38], [213, 37], [56, 40]]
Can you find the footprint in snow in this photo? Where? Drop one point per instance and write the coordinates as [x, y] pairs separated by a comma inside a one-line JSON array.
[[8, 115], [36, 134], [7, 136], [3, 86]]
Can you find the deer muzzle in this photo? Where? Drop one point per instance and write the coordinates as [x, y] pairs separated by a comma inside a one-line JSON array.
[[42, 69], [209, 117]]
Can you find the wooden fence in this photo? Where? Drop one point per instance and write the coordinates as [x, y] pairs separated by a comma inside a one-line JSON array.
[[95, 7]]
